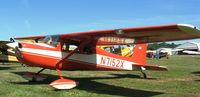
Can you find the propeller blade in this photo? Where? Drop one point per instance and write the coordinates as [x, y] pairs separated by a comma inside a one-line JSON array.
[[13, 45]]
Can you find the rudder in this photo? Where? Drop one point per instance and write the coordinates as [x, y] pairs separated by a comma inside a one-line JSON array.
[[139, 54]]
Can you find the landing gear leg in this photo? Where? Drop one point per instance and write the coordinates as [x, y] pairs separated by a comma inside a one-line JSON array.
[[144, 74], [59, 73]]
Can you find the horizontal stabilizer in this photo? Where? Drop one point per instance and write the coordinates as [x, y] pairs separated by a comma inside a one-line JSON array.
[[150, 67]]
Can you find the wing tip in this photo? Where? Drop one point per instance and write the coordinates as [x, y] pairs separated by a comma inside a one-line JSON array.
[[189, 29], [186, 25]]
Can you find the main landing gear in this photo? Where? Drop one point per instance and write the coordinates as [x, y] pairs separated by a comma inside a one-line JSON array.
[[143, 73], [65, 83]]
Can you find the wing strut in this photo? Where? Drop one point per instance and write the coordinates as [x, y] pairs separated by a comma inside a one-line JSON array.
[[65, 58], [65, 83]]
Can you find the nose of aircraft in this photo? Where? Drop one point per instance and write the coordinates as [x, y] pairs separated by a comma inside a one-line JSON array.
[[13, 45]]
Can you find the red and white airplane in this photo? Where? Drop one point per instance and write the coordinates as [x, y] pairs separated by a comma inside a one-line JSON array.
[[79, 51]]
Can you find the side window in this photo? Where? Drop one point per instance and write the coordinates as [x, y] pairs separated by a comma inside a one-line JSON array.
[[55, 40], [122, 50], [65, 47], [68, 47], [71, 45]]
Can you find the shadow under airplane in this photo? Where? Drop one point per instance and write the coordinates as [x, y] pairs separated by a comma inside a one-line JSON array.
[[197, 73], [89, 84]]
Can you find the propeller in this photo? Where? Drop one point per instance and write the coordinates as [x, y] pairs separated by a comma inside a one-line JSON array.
[[7, 47], [13, 44]]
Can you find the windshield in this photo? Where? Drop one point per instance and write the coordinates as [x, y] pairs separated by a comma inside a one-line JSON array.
[[51, 40]]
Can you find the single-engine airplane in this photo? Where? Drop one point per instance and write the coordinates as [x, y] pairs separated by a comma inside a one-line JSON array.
[[79, 51]]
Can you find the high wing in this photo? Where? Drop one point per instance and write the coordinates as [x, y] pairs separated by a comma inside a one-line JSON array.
[[135, 35], [30, 38]]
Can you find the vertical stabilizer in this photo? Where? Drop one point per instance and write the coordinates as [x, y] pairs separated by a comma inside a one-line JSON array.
[[139, 54]]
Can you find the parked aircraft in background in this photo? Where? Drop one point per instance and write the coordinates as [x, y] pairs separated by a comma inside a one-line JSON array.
[[189, 48], [6, 54], [79, 51], [191, 52]]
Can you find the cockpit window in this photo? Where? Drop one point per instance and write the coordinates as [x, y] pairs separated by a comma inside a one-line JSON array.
[[51, 40]]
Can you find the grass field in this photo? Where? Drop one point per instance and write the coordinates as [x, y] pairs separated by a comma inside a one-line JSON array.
[[182, 80]]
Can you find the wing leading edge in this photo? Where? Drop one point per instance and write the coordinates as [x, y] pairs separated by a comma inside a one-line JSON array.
[[136, 35]]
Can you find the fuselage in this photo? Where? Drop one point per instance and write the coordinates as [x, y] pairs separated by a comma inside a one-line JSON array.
[[47, 56]]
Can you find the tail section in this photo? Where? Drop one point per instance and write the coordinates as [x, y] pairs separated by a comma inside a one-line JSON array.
[[139, 54], [139, 57]]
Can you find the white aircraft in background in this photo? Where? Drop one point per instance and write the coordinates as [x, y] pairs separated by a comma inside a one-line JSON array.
[[190, 48]]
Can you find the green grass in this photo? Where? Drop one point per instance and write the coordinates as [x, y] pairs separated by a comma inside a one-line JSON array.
[[182, 80]]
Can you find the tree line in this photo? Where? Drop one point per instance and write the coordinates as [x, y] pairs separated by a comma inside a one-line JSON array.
[[154, 46]]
